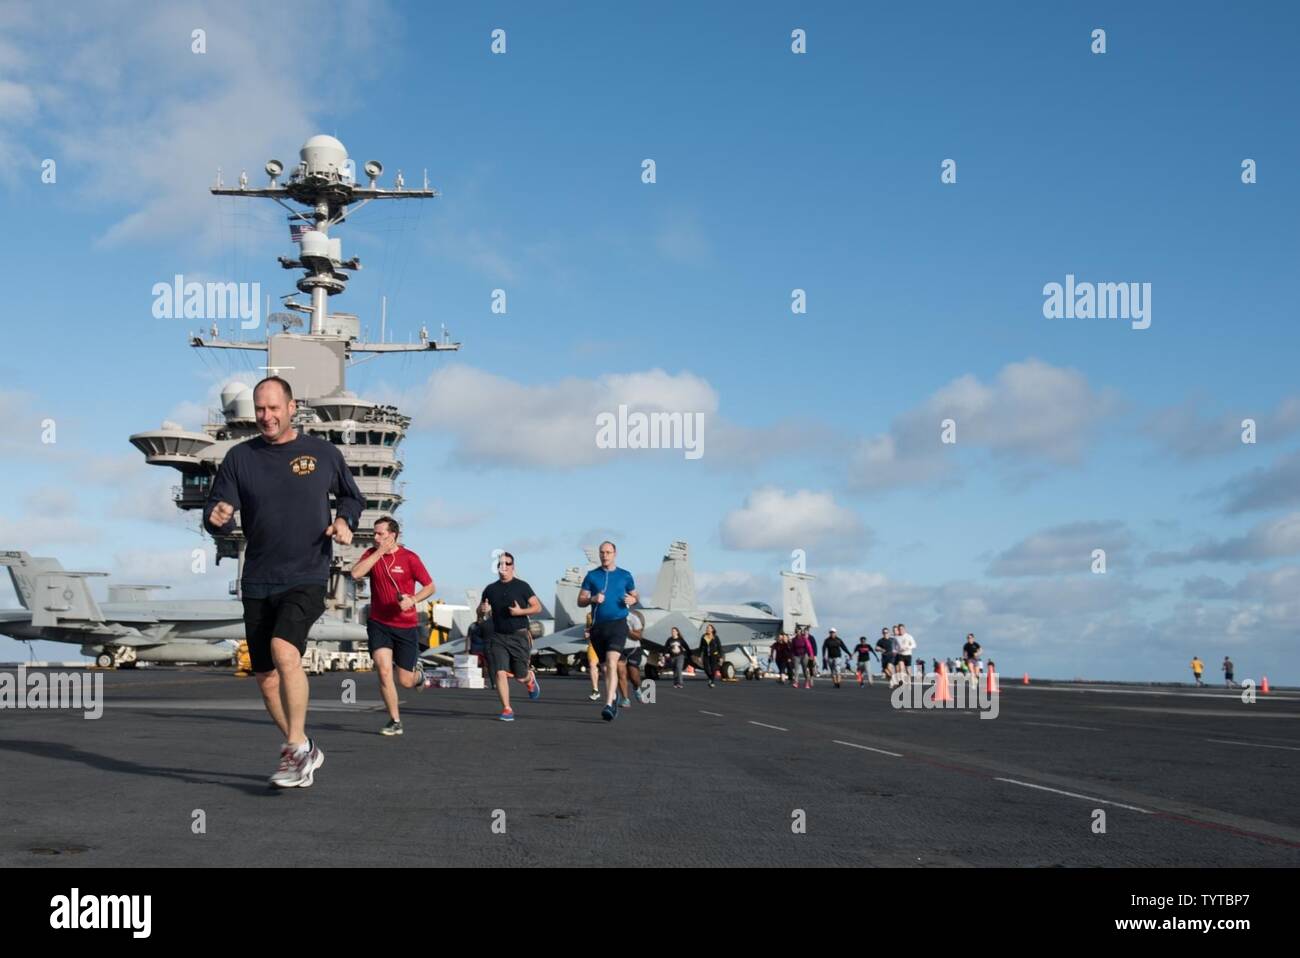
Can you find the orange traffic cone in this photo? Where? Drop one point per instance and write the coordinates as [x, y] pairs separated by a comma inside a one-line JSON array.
[[1026, 679], [941, 691], [1263, 686], [992, 681], [690, 670]]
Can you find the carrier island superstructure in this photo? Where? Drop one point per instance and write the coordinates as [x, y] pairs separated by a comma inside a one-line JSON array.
[[320, 193]]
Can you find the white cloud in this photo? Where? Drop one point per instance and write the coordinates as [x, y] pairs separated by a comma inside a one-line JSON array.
[[1189, 433], [34, 533], [51, 502], [772, 519], [147, 120], [1267, 487], [1270, 539], [437, 514], [681, 239], [1063, 549], [1033, 414], [497, 421]]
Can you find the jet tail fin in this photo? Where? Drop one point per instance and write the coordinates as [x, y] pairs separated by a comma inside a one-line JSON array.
[[23, 570], [675, 587], [49, 592], [796, 601]]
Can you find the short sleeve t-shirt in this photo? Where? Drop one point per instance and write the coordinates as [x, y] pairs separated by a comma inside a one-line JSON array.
[[615, 584], [906, 644], [970, 650], [393, 576], [501, 596]]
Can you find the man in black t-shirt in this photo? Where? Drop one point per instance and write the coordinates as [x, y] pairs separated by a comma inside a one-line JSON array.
[[504, 610], [864, 653], [970, 653], [833, 652], [280, 482]]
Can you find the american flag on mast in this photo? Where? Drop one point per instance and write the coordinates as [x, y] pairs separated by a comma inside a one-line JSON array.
[[298, 226]]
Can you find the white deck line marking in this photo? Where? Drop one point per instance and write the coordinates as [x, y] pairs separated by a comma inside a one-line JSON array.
[[1082, 728], [1088, 798], [707, 712], [1289, 748], [1188, 694], [866, 747], [765, 725]]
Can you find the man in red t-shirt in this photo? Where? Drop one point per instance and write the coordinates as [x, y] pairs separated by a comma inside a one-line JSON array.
[[393, 625]]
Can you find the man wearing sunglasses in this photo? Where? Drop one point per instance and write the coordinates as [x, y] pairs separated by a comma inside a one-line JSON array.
[[504, 609]]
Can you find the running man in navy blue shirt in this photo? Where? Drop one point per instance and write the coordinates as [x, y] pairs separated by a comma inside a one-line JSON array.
[[280, 482], [611, 593]]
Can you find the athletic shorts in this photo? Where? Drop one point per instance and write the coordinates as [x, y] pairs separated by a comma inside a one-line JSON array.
[[591, 654], [886, 659], [287, 615], [405, 643], [636, 657], [510, 653], [904, 660], [609, 636]]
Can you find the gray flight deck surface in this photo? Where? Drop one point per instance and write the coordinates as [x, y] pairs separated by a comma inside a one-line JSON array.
[[1185, 777]]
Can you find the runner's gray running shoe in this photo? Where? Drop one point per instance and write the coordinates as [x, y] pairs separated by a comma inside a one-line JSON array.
[[297, 770], [392, 728]]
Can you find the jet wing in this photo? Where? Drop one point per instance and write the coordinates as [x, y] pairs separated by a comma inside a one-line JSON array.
[[15, 615]]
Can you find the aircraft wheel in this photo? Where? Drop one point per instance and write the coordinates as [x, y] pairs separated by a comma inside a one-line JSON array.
[[728, 671], [104, 660]]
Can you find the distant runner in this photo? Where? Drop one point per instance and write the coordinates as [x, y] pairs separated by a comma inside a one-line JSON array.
[[1227, 672], [676, 650], [593, 662], [906, 646], [970, 653], [864, 653], [710, 652], [885, 649], [783, 655], [1197, 668], [834, 652], [803, 656]]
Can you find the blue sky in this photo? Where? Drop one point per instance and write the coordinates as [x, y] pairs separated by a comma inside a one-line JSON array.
[[775, 171]]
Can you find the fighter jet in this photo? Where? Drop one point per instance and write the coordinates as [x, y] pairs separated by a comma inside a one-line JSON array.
[[57, 606], [746, 631]]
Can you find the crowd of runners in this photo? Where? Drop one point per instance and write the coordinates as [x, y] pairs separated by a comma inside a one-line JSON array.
[[282, 482], [795, 661]]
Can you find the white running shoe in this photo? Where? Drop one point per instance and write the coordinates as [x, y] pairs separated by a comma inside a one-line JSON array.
[[297, 769]]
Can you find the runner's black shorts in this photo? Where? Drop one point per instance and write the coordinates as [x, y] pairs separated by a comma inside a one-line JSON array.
[[287, 615], [636, 657], [904, 660], [609, 636], [510, 653], [405, 643], [886, 658]]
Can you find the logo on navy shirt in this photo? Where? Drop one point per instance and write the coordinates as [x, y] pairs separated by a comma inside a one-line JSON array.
[[303, 465]]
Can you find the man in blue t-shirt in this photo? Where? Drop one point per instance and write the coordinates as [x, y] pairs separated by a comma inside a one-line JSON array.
[[611, 593]]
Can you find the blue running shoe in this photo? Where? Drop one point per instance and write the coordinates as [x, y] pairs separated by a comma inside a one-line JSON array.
[[507, 716], [535, 690]]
